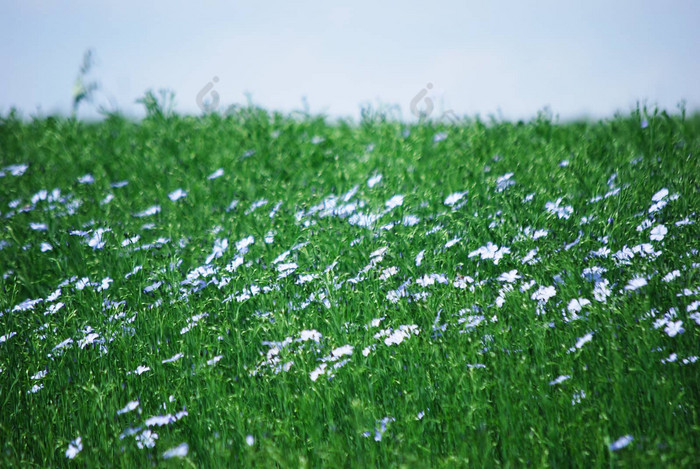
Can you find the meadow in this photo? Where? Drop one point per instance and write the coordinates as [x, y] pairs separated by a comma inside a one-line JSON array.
[[265, 289]]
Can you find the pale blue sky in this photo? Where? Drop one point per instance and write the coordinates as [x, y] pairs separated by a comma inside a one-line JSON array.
[[505, 58]]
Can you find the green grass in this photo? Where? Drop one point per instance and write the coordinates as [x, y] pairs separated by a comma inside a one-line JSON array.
[[500, 411]]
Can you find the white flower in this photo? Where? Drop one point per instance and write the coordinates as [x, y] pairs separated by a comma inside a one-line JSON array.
[[234, 264], [636, 283], [379, 252], [220, 246], [40, 374], [87, 179], [60, 346], [17, 169], [148, 212], [452, 242], [500, 300], [374, 180], [27, 305], [179, 451], [388, 273], [430, 279], [530, 257], [410, 220], [312, 334], [685, 221], [462, 281], [657, 206], [286, 269], [454, 198], [582, 341], [375, 322], [177, 194], [419, 257], [509, 277], [658, 233], [671, 358], [7, 336], [379, 432], [490, 251], [576, 305], [35, 389], [559, 379], [160, 420], [54, 296], [147, 439], [306, 278], [174, 358], [88, 340], [673, 328], [250, 440], [341, 351], [242, 245], [404, 332], [256, 205], [96, 242], [216, 174], [395, 201], [140, 370], [104, 284], [439, 137], [128, 407], [46, 247], [561, 212], [671, 275], [214, 360], [318, 372], [360, 219], [232, 205], [601, 291], [152, 287], [660, 195], [504, 182], [543, 294], [75, 447], [604, 251], [621, 442], [576, 398], [646, 223], [132, 240]]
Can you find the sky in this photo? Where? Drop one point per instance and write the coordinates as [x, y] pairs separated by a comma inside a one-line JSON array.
[[505, 59]]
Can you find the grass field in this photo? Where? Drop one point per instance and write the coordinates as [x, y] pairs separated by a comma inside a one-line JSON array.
[[263, 289]]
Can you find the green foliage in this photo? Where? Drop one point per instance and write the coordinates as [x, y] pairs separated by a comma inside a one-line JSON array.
[[83, 89], [158, 107], [474, 393]]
